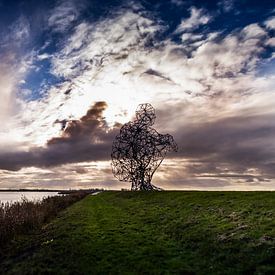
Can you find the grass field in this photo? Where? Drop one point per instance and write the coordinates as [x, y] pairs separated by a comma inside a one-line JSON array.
[[153, 233]]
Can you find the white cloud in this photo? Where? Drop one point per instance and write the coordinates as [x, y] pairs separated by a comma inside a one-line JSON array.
[[109, 61], [63, 15], [178, 2], [15, 37], [21, 30], [43, 56], [191, 37], [270, 23], [11, 75], [271, 42], [226, 5], [197, 18], [253, 31], [6, 92], [100, 42]]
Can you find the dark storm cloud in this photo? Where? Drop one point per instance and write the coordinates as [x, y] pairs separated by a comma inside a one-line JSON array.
[[87, 139], [80, 130], [233, 144]]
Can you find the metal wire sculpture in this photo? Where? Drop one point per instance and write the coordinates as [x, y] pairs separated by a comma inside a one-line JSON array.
[[138, 150]]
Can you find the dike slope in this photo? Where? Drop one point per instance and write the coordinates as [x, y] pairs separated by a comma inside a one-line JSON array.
[[153, 233]]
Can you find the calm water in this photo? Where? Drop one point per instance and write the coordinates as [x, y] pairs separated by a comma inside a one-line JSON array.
[[17, 196]]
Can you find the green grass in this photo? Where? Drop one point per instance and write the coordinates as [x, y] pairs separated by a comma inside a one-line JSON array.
[[153, 233]]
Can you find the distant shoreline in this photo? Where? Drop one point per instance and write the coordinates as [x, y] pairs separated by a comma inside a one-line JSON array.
[[60, 191], [30, 190]]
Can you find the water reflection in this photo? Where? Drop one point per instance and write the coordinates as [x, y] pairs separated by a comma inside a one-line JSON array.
[[17, 196]]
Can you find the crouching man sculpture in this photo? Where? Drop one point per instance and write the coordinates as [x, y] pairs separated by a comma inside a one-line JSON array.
[[138, 150]]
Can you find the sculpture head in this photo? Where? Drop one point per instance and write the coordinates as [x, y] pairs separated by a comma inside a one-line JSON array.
[[145, 114]]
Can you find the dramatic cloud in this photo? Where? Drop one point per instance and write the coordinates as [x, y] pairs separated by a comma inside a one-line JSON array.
[[232, 145], [87, 139], [210, 79]]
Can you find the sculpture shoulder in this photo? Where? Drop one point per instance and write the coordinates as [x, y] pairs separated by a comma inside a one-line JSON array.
[[130, 128]]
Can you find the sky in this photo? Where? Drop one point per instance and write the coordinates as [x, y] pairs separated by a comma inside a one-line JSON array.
[[72, 72]]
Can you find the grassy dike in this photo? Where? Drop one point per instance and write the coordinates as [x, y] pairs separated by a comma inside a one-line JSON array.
[[153, 233]]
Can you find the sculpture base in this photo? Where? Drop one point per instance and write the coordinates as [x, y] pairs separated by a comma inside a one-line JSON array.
[[148, 187]]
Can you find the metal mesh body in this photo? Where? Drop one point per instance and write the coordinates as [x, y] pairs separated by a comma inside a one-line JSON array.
[[138, 150]]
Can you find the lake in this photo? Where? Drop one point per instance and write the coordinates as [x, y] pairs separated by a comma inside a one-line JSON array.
[[17, 196]]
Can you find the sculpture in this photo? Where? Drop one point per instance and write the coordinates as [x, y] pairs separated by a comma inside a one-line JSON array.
[[138, 150]]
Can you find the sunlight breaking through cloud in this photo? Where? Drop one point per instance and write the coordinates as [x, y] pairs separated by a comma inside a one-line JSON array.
[[207, 84]]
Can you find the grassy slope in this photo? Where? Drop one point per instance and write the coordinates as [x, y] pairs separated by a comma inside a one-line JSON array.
[[155, 232]]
